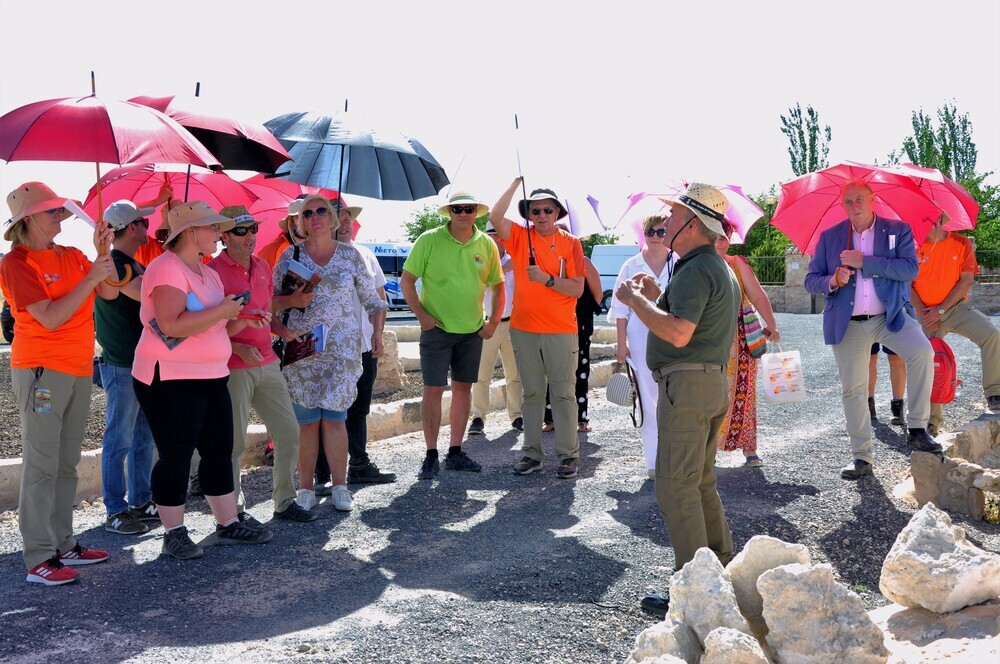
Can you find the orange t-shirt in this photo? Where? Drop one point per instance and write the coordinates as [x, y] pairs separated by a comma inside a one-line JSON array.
[[147, 252], [27, 277], [537, 308], [941, 265], [273, 249]]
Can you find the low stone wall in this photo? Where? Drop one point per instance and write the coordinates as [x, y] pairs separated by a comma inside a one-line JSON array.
[[970, 467]]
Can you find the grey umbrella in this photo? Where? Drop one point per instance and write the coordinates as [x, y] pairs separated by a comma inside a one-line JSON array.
[[334, 152]]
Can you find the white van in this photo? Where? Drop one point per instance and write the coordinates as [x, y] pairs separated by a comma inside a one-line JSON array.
[[391, 256], [608, 259]]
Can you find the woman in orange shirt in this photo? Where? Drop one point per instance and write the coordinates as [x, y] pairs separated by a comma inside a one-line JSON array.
[[51, 292]]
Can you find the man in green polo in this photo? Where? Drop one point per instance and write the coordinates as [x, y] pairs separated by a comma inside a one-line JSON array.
[[455, 263], [691, 328]]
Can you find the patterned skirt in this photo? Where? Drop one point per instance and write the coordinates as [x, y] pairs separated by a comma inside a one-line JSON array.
[[739, 429]]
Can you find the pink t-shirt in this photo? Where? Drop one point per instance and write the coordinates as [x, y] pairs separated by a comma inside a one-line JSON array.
[[260, 282], [203, 355]]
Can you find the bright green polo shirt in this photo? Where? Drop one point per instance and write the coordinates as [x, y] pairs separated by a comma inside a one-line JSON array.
[[454, 276]]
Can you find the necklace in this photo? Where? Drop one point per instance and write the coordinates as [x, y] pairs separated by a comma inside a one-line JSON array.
[[925, 255], [552, 244]]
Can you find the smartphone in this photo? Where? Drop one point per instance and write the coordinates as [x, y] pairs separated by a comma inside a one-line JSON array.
[[244, 297]]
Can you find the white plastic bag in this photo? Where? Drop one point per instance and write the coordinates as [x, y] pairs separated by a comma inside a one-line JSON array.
[[783, 379]]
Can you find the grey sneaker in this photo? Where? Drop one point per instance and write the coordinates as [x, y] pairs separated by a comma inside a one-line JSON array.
[[461, 461], [178, 543], [567, 469], [146, 512], [295, 513], [242, 533], [526, 466], [477, 426], [430, 469], [125, 523]]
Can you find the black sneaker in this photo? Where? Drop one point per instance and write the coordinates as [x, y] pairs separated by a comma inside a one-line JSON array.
[[567, 469], [526, 466], [993, 404], [898, 419], [194, 487], [247, 519], [369, 474], [295, 513], [871, 409], [518, 424], [125, 523], [477, 426], [461, 461], [146, 512], [242, 533], [430, 469], [923, 441], [656, 603], [178, 543]]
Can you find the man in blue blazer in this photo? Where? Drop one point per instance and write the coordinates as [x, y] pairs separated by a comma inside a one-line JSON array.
[[864, 266]]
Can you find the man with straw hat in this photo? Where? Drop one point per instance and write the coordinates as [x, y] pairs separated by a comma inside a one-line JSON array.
[[456, 263], [289, 234], [691, 328], [548, 278]]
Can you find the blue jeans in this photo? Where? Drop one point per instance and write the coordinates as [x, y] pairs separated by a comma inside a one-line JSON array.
[[126, 435]]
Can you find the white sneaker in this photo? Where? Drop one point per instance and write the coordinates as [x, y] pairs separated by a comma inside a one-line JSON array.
[[305, 498], [342, 499]]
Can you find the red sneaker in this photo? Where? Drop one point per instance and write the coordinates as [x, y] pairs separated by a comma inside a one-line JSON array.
[[51, 573], [81, 555]]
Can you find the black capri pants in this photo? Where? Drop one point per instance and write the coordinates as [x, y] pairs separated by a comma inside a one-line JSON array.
[[185, 415]]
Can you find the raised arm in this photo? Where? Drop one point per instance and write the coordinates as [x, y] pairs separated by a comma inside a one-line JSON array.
[[500, 222]]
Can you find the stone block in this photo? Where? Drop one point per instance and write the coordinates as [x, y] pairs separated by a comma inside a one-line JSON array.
[[668, 638], [944, 483], [702, 597], [724, 645], [391, 376]]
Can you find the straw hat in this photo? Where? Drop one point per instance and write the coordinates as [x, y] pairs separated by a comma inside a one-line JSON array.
[[353, 210], [122, 213], [31, 198], [194, 213], [293, 211], [540, 195], [464, 198], [707, 203]]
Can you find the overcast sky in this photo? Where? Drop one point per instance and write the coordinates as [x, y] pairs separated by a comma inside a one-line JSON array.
[[612, 97]]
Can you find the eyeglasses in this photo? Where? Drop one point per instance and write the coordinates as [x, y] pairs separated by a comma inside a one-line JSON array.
[[240, 231], [55, 211], [658, 232], [535, 212], [143, 221], [320, 212], [467, 209]]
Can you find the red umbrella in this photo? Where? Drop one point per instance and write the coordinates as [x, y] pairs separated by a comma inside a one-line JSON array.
[[945, 192], [810, 204], [273, 197], [239, 145], [141, 182]]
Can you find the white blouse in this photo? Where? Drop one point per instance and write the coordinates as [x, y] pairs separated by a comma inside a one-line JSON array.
[[630, 268]]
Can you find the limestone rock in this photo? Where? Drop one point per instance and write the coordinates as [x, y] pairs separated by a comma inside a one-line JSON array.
[[760, 554], [662, 659], [931, 565], [391, 376], [988, 480], [724, 645], [666, 639], [918, 635], [702, 597], [948, 483], [812, 619]]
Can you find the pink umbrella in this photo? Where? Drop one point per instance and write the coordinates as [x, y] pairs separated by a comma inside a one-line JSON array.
[[810, 204], [945, 192], [273, 197], [141, 182]]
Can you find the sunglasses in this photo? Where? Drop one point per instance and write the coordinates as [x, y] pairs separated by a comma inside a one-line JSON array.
[[240, 231], [658, 232], [319, 212], [467, 209], [55, 211], [143, 221], [535, 212]]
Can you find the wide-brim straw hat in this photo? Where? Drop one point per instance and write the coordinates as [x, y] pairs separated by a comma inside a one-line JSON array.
[[540, 195], [293, 211], [194, 213], [31, 198], [464, 198], [352, 210], [707, 203]]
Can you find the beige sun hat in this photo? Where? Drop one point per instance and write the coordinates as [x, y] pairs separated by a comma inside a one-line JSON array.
[[31, 198], [463, 198], [194, 213], [293, 211], [352, 210], [707, 202]]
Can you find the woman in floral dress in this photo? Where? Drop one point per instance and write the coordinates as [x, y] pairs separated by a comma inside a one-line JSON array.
[[324, 385]]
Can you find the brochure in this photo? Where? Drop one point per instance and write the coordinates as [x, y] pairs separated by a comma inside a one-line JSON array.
[[192, 304], [312, 342], [298, 275]]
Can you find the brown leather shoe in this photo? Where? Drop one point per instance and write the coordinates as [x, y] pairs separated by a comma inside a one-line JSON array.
[[856, 470]]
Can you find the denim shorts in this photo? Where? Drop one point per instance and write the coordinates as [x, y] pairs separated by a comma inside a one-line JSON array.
[[305, 415]]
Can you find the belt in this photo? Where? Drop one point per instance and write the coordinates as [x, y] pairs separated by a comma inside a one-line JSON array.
[[866, 316], [665, 371], [502, 320]]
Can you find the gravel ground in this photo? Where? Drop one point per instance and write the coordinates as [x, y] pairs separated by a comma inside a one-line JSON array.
[[474, 567]]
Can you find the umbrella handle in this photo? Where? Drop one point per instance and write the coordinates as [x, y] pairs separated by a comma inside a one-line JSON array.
[[101, 251]]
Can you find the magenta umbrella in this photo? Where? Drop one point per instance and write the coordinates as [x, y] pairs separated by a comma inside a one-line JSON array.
[[810, 204], [949, 195], [141, 182], [742, 211]]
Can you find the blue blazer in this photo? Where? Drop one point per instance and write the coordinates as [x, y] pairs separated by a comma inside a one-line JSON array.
[[892, 267]]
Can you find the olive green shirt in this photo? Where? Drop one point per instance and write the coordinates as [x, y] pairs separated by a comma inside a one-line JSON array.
[[704, 291]]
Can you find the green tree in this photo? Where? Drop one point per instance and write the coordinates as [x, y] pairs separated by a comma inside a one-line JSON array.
[[428, 218], [809, 144], [597, 238]]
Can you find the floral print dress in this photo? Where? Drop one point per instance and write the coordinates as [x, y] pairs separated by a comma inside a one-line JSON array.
[[329, 379]]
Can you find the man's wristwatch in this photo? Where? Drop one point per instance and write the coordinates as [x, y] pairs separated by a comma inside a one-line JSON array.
[[941, 311], [551, 282]]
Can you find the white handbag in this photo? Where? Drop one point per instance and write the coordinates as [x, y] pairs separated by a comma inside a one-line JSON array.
[[623, 390]]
